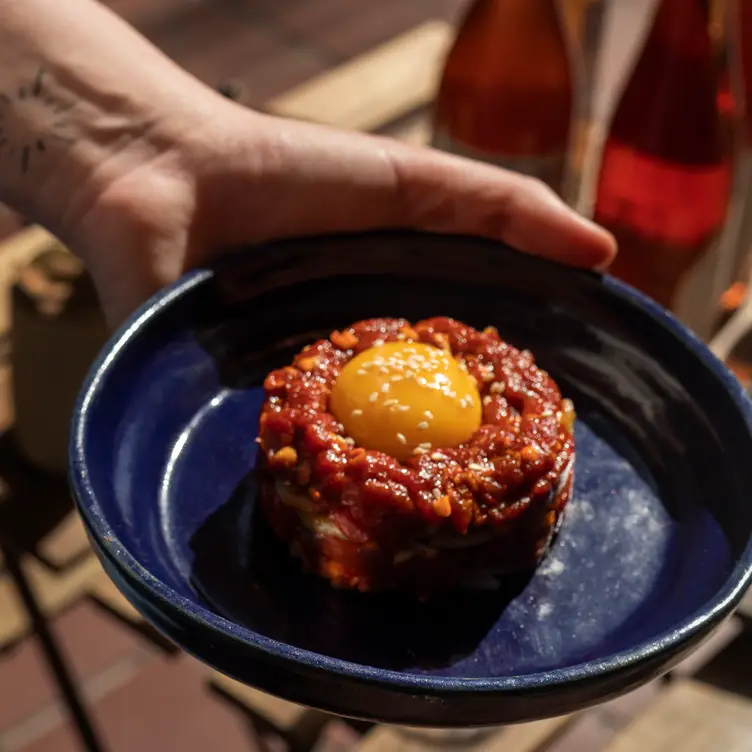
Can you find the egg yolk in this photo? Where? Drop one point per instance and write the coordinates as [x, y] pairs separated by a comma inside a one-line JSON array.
[[403, 397]]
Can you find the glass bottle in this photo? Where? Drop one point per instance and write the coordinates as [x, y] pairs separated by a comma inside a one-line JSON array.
[[665, 176], [506, 94]]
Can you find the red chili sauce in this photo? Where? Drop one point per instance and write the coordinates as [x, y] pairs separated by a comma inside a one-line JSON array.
[[363, 519]]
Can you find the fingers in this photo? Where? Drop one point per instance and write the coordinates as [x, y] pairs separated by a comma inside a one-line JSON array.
[[458, 195], [315, 180]]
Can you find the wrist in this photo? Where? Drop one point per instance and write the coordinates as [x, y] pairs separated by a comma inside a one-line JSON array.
[[79, 109], [70, 149]]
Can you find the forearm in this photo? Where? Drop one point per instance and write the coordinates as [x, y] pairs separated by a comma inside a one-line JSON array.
[[82, 97]]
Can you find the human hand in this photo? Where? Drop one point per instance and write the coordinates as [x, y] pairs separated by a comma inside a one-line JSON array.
[[145, 172], [241, 178]]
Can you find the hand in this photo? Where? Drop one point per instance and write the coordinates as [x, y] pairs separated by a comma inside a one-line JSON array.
[[240, 178]]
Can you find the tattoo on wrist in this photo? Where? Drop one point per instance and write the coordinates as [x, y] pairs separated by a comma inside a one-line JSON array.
[[32, 120]]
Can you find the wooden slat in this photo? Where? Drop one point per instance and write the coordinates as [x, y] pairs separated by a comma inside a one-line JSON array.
[[745, 607], [385, 739], [66, 543], [14, 253], [526, 737], [375, 88], [690, 717]]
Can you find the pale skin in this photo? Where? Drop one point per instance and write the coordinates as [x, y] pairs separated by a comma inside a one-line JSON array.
[[146, 172]]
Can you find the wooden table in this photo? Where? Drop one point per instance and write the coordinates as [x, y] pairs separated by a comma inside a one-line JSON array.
[[388, 90]]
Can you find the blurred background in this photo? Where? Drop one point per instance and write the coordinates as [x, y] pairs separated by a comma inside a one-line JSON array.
[[633, 111]]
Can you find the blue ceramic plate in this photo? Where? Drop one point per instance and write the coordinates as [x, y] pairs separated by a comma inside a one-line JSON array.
[[653, 553]]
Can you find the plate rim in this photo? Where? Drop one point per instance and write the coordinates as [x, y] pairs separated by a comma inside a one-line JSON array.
[[669, 642]]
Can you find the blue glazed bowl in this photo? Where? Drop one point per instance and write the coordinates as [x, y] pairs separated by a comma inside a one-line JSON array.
[[654, 551]]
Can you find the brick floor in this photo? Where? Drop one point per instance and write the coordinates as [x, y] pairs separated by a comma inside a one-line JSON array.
[[165, 707], [93, 643]]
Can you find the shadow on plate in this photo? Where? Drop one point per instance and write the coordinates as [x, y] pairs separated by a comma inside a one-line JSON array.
[[249, 577]]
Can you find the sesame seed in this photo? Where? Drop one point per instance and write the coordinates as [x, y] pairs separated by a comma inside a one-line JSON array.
[[385, 387], [384, 370], [497, 387], [361, 372], [436, 493], [366, 366], [428, 415], [422, 381], [396, 377], [378, 342], [374, 396], [410, 375], [401, 438], [463, 402], [420, 450], [475, 466], [401, 337], [390, 403], [423, 425], [438, 456], [357, 412], [403, 408], [486, 400], [425, 445]]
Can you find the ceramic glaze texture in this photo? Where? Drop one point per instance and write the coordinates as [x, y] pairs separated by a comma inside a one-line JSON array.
[[653, 550]]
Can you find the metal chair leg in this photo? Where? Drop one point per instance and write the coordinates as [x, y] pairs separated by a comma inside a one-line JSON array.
[[65, 684]]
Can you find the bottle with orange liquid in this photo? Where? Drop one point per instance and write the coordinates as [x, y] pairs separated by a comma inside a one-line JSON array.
[[733, 327], [665, 177], [737, 98], [507, 93]]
